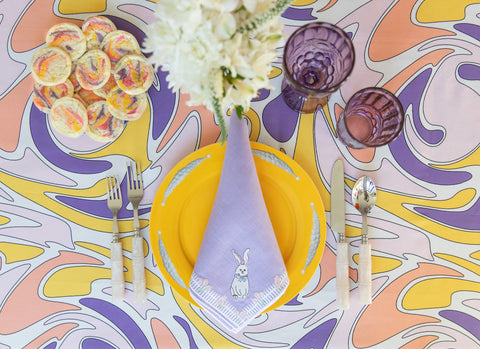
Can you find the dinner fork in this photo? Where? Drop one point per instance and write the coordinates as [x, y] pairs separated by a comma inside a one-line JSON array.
[[135, 195], [114, 202]]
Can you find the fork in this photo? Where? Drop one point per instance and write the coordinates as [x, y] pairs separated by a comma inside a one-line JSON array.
[[114, 202], [135, 195]]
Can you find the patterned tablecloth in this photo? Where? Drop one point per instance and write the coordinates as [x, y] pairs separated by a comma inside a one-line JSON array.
[[55, 227]]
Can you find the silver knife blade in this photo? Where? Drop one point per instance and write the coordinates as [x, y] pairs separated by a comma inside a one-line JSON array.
[[337, 199]]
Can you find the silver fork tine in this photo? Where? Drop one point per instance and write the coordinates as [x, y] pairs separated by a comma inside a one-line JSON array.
[[134, 173], [139, 176], [129, 176], [109, 188], [116, 188]]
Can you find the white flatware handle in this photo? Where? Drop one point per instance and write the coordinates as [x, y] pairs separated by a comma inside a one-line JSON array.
[[365, 273], [118, 282], [138, 270], [343, 284]]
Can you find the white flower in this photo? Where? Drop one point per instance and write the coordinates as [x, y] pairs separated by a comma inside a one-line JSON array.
[[220, 52]]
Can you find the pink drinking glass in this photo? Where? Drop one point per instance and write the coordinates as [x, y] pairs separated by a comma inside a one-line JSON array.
[[372, 117], [317, 58]]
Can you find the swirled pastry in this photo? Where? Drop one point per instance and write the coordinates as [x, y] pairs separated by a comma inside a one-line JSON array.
[[125, 106], [68, 37], [95, 29], [51, 66], [102, 125], [118, 44], [69, 117], [134, 74], [93, 69]]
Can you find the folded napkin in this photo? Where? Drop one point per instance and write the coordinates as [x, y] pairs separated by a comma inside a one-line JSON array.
[[239, 271]]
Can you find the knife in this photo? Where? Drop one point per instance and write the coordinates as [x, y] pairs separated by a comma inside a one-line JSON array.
[[337, 224]]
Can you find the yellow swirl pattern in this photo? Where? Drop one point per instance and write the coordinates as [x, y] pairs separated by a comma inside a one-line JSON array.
[[85, 6], [18, 252], [443, 10]]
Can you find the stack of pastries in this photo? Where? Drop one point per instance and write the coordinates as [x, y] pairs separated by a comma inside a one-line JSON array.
[[91, 79]]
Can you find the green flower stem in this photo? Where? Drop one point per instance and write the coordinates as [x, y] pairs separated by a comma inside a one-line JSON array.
[[217, 110]]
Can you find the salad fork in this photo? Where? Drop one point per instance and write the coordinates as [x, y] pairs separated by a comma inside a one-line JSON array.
[[114, 202], [135, 195]]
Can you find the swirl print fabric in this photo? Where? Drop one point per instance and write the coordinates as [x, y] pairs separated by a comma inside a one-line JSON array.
[[55, 227]]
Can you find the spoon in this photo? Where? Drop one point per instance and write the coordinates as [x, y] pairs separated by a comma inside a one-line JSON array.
[[364, 196]]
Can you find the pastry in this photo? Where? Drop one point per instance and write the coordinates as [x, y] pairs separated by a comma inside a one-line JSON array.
[[102, 125], [95, 29], [69, 117], [51, 66], [93, 69], [118, 44], [69, 37], [125, 106], [134, 74]]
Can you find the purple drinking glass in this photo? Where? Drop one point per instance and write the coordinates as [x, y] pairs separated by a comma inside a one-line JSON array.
[[372, 117], [318, 57]]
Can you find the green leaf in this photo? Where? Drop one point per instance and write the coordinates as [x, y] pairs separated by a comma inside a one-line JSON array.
[[239, 109]]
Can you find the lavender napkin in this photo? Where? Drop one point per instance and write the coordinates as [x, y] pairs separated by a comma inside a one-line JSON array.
[[239, 271]]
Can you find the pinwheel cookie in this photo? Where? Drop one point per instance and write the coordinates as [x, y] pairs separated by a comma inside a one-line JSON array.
[[118, 44], [95, 29], [134, 74], [69, 117], [69, 37], [51, 66], [125, 106], [44, 96], [102, 125], [93, 69]]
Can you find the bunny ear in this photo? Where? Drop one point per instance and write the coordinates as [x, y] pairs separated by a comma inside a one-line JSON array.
[[237, 256], [245, 256]]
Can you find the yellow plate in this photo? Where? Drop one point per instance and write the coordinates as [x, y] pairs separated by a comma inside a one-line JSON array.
[[182, 206]]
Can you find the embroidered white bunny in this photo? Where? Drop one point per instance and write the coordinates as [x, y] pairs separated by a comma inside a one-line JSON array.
[[239, 288]]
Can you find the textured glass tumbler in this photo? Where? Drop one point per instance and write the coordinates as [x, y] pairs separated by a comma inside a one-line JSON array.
[[372, 117], [317, 59]]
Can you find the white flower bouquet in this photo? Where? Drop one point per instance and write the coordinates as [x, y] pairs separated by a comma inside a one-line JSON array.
[[220, 52]]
